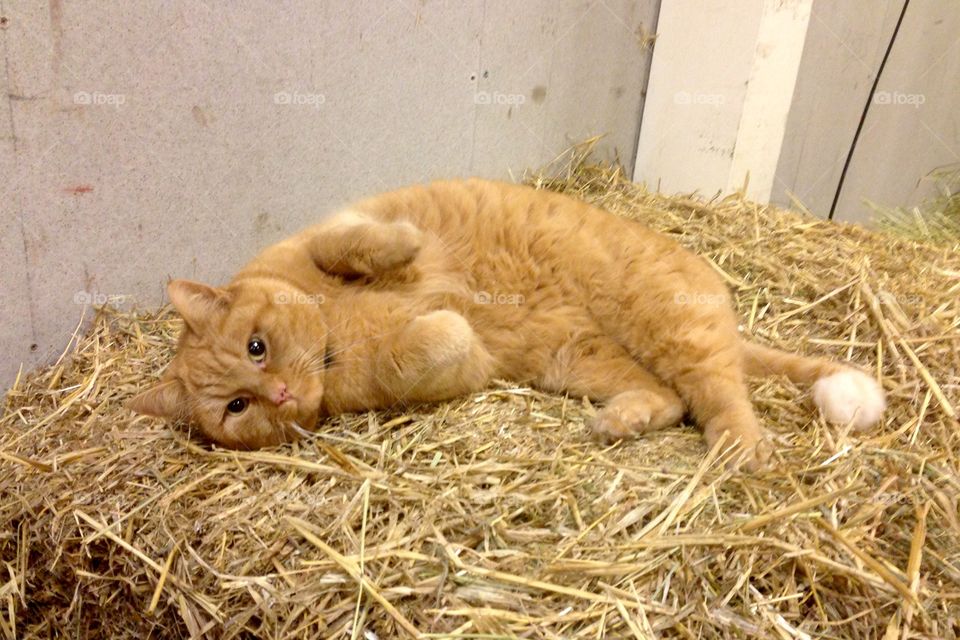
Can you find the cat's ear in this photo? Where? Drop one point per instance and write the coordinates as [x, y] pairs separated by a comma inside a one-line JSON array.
[[165, 399], [197, 303]]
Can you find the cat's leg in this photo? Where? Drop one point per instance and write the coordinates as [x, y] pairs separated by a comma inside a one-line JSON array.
[[719, 400], [677, 320], [435, 356], [635, 400], [352, 244], [699, 353]]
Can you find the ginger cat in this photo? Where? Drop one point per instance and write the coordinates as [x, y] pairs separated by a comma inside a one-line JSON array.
[[429, 292]]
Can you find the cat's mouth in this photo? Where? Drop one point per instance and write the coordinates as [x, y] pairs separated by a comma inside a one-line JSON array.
[[300, 413]]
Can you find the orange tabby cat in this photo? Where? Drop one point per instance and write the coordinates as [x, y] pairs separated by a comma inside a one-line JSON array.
[[429, 292]]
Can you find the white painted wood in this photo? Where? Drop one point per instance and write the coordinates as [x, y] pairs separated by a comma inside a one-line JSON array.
[[701, 61], [913, 124], [767, 102], [720, 89]]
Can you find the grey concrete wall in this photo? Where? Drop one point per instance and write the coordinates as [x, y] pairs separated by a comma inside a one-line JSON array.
[[146, 140]]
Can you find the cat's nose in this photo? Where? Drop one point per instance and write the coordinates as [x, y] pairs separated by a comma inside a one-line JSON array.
[[280, 394]]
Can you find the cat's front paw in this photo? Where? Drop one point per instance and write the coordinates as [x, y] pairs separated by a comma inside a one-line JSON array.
[[399, 246], [446, 336]]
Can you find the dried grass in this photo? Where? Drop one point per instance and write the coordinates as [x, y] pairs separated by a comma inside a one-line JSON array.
[[936, 220], [496, 516]]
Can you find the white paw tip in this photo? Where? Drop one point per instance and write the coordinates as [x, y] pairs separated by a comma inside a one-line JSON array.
[[850, 397]]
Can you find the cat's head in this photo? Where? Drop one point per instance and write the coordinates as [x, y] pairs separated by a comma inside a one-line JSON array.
[[250, 366]]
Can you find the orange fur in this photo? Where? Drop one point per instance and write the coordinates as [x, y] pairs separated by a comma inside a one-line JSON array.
[[429, 292]]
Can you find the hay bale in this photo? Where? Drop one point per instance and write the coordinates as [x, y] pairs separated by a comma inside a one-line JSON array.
[[496, 516]]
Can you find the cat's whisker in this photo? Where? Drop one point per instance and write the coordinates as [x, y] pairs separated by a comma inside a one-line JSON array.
[[310, 362], [303, 433], [315, 361]]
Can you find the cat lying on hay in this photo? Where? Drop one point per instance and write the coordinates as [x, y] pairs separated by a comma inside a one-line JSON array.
[[429, 292]]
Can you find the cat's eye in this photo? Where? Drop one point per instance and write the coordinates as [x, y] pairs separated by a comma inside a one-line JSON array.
[[257, 349], [237, 405]]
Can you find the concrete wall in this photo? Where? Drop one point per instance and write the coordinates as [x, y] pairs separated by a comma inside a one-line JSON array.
[[148, 140]]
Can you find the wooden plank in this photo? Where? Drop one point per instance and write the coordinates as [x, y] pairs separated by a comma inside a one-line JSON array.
[[842, 53], [912, 126]]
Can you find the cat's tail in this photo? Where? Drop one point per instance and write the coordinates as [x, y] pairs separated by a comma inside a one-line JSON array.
[[842, 393]]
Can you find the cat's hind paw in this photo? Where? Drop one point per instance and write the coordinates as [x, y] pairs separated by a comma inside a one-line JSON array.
[[745, 444], [633, 412], [752, 457]]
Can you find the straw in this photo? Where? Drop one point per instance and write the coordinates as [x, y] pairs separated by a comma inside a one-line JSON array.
[[497, 515]]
